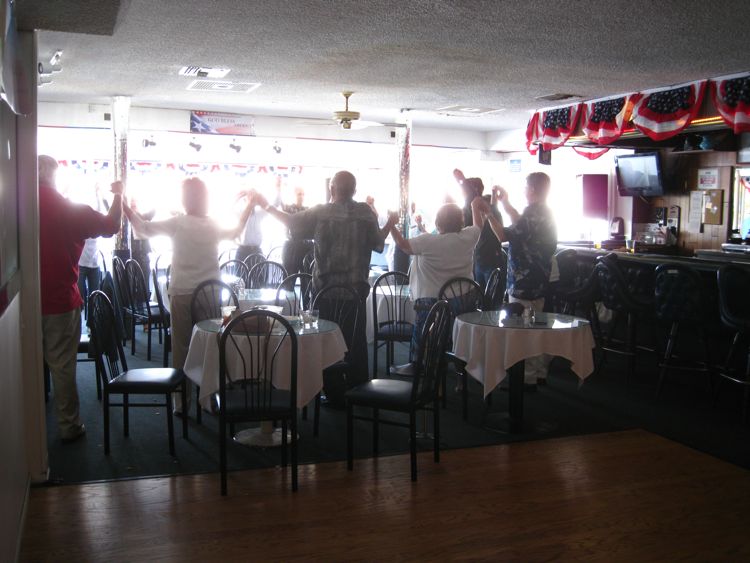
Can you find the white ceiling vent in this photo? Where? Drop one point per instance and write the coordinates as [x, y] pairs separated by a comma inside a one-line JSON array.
[[465, 111], [203, 72], [222, 86], [557, 97]]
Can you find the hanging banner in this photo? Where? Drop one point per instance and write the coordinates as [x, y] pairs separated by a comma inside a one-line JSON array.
[[665, 113], [552, 127], [603, 121], [88, 165], [590, 154], [218, 123], [731, 96]]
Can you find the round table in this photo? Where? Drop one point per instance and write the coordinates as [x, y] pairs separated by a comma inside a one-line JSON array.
[[495, 345], [317, 348]]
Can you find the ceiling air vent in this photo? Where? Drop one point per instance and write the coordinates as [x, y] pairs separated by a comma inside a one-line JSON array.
[[222, 86], [559, 97], [203, 72], [467, 110]]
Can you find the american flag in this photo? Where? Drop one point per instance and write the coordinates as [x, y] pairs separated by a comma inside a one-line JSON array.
[[731, 96], [664, 113]]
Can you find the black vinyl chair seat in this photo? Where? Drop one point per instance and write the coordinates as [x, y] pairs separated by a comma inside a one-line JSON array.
[[395, 329], [277, 404], [147, 380], [389, 394]]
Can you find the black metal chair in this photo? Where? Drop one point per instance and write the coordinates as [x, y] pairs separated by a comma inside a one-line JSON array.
[[494, 292], [390, 299], [567, 268], [235, 269], [118, 379], [295, 293], [340, 304], [308, 262], [103, 260], [266, 275], [143, 311], [165, 317], [680, 300], [206, 303], [421, 393], [734, 308], [229, 254], [463, 295], [252, 348], [626, 304], [252, 260], [275, 254]]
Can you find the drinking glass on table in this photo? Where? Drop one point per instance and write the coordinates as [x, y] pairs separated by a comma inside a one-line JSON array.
[[309, 318]]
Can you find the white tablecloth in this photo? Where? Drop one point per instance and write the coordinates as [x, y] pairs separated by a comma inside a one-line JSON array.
[[402, 294], [490, 343], [316, 349]]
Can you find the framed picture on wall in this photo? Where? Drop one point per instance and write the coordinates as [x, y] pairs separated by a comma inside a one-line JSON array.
[[743, 149]]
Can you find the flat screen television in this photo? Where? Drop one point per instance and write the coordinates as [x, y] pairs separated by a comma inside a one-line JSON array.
[[639, 174]]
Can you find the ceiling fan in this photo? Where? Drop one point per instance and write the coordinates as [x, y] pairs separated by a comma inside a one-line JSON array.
[[347, 119]]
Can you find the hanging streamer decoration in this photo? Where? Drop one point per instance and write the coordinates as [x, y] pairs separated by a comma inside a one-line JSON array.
[[590, 154], [551, 128], [603, 121], [665, 113], [731, 96]]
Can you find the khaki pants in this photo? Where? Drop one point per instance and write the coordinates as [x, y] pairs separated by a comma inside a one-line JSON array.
[[536, 366], [182, 330], [60, 336]]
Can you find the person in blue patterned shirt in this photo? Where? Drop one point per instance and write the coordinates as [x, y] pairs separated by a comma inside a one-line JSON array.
[[532, 241]]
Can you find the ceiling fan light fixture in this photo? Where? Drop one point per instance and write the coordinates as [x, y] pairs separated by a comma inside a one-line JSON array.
[[346, 117]]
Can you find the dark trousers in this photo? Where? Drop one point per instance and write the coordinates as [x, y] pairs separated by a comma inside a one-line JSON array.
[[482, 274], [293, 253], [352, 326], [88, 281]]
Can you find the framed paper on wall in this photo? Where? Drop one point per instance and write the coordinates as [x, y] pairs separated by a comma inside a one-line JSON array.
[[743, 150]]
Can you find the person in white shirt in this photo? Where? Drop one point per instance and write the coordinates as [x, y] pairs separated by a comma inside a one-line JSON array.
[[195, 241], [89, 275], [437, 259], [251, 237]]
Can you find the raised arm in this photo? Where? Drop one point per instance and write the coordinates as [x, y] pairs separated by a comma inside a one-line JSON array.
[[481, 211], [235, 231], [115, 211], [389, 224], [282, 216], [145, 228], [499, 194], [400, 241]]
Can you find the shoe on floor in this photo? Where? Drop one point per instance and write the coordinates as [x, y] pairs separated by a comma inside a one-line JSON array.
[[74, 434]]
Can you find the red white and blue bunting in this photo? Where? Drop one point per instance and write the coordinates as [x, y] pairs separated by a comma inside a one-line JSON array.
[[603, 121], [731, 96], [552, 127], [664, 113]]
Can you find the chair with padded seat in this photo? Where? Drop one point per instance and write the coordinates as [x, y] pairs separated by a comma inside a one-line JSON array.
[[165, 317], [567, 270], [251, 349], [251, 260], [627, 305], [117, 379], [494, 291], [680, 302], [265, 275], [275, 254], [341, 304], [206, 303], [408, 397], [228, 254], [734, 309], [390, 299], [235, 269], [122, 294], [295, 293], [308, 263], [463, 295], [143, 311]]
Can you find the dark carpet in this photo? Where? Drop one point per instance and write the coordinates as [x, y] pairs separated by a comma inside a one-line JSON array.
[[604, 403]]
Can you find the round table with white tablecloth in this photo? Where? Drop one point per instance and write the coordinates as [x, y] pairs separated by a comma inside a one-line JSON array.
[[494, 345], [317, 348]]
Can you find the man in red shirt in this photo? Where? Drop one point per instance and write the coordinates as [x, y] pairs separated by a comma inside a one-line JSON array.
[[63, 229]]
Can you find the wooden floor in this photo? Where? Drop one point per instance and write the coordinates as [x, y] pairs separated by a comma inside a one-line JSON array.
[[626, 496]]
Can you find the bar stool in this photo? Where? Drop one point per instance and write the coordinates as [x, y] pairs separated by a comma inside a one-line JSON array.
[[734, 308], [625, 304], [680, 300]]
